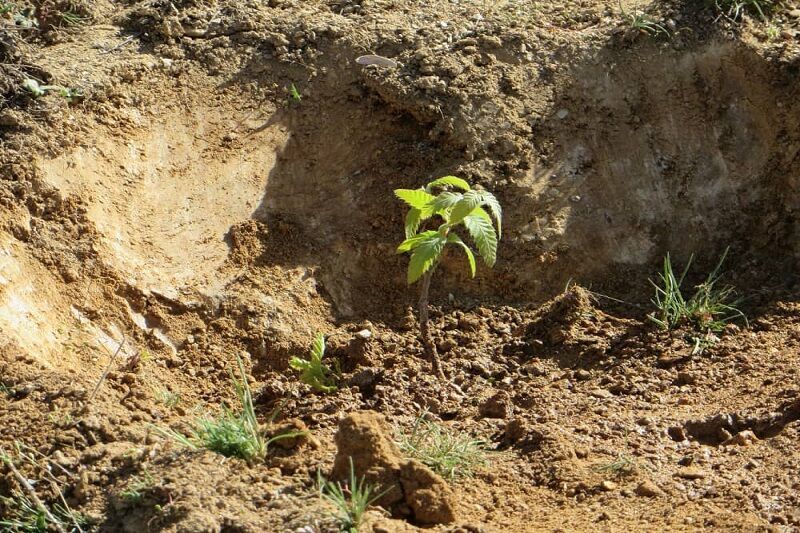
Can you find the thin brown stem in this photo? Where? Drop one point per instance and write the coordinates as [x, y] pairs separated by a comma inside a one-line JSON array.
[[427, 340]]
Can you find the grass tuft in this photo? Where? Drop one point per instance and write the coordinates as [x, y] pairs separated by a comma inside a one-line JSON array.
[[234, 433], [449, 453], [735, 9], [710, 308], [351, 500]]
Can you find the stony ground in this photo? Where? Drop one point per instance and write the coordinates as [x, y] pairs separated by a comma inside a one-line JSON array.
[[211, 181]]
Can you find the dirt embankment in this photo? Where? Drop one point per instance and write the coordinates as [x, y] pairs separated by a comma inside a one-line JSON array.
[[173, 201]]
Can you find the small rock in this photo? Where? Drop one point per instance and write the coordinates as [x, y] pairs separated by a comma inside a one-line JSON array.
[[562, 114], [468, 323], [743, 438], [691, 473], [582, 375], [364, 334], [608, 486], [601, 393], [648, 489]]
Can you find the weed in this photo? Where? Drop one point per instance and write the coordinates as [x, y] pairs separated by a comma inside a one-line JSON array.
[[449, 453], [623, 465], [135, 491], [709, 309], [643, 23], [70, 18], [735, 9], [294, 94], [351, 501], [6, 390], [455, 209], [7, 7], [168, 398], [25, 512], [37, 90], [24, 516], [233, 434], [313, 372]]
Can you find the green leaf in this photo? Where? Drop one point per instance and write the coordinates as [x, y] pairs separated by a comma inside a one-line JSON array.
[[416, 198], [468, 203], [445, 200], [318, 348], [452, 181], [413, 220], [480, 212], [412, 242], [426, 254], [482, 232], [299, 364], [491, 202], [455, 239]]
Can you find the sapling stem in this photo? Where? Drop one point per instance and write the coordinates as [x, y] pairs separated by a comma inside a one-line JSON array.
[[425, 333]]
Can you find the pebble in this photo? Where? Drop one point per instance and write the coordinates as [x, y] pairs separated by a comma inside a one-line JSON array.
[[608, 486], [691, 473], [743, 438], [364, 334], [601, 393], [648, 489]]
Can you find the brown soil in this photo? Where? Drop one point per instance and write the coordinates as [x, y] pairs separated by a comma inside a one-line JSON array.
[[188, 205]]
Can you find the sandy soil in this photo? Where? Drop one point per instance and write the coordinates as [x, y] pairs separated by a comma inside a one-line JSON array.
[[186, 211]]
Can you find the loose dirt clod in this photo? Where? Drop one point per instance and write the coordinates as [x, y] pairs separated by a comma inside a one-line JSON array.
[[365, 438]]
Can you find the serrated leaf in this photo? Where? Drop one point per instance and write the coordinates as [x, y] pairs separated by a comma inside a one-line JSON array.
[[445, 200], [468, 203], [318, 348], [480, 212], [425, 256], [452, 181], [415, 198], [482, 232], [491, 202], [413, 220], [299, 364], [455, 239], [412, 242]]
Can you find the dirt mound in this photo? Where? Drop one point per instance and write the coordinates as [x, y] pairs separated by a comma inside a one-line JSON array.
[[363, 441]]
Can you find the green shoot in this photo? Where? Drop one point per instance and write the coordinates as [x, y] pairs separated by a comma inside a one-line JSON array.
[[134, 493], [711, 306], [623, 465], [351, 501], [294, 94], [643, 23], [312, 371], [234, 433], [735, 9], [168, 398], [71, 18], [26, 512], [450, 454]]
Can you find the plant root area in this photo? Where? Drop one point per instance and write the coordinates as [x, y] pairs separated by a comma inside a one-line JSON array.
[[211, 181]]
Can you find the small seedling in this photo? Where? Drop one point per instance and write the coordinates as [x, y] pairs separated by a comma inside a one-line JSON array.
[[233, 434], [623, 465], [735, 9], [70, 18], [643, 23], [37, 90], [449, 453], [351, 500], [710, 308], [294, 95], [313, 372], [134, 493], [25, 511], [168, 398], [7, 7], [456, 205]]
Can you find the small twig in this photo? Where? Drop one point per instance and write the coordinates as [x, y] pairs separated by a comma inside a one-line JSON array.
[[107, 370], [120, 45], [30, 490]]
